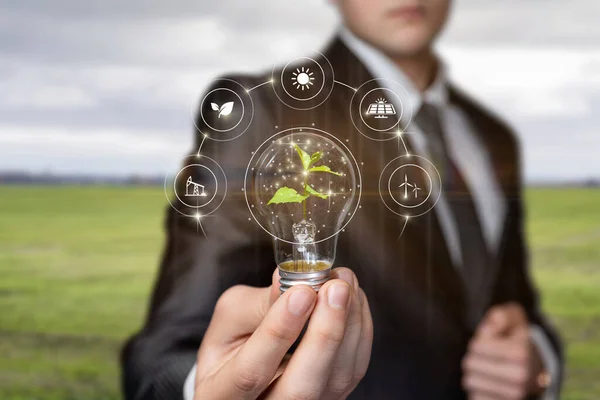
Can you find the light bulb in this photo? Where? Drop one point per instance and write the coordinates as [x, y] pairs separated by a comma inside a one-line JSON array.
[[303, 188]]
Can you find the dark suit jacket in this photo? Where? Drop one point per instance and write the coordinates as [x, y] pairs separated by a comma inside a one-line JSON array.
[[418, 300]]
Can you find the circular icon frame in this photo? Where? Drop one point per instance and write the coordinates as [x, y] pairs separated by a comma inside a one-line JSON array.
[[369, 125], [185, 202], [411, 210], [208, 123], [220, 192], [279, 80], [405, 107], [428, 192], [204, 124]]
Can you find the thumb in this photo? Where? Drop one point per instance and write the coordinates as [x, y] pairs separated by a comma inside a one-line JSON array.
[[502, 320]]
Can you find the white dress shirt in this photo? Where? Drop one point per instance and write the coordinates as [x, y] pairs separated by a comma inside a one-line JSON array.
[[471, 159]]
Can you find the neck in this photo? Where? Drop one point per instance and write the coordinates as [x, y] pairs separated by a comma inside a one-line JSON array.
[[420, 68]]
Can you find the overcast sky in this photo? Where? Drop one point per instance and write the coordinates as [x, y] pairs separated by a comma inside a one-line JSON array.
[[107, 86]]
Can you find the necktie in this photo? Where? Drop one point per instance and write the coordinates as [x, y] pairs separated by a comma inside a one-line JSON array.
[[473, 248]]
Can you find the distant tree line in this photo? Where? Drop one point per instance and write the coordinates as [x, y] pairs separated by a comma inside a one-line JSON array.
[[27, 178], [49, 178]]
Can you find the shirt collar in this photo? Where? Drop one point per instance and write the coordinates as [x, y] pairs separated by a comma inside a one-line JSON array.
[[381, 67]]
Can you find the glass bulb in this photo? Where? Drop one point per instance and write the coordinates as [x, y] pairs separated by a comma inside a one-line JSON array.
[[303, 188]]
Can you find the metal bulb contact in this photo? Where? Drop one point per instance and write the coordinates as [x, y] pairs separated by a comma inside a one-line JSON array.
[[293, 273]]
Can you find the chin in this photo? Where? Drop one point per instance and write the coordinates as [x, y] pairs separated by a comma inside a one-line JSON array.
[[407, 42]]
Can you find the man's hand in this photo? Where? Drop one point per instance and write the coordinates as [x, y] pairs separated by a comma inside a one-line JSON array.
[[243, 354], [501, 362]]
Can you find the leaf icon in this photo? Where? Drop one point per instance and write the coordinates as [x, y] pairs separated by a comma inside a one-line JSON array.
[[226, 109], [214, 106]]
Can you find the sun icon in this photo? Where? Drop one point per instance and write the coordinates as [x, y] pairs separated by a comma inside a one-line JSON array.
[[302, 78]]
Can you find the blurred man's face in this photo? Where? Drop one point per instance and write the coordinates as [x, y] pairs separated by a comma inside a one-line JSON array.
[[397, 27]]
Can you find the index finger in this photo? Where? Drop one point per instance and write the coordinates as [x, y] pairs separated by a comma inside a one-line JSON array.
[[251, 370]]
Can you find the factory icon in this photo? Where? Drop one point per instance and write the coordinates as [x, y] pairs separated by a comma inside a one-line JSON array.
[[193, 189]]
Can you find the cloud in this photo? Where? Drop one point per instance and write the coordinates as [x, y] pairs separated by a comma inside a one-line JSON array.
[[549, 95], [527, 23], [213, 38], [530, 83], [109, 86], [113, 151], [47, 96]]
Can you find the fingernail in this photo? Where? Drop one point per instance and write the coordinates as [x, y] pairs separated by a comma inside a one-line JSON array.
[[300, 301], [337, 295], [346, 275]]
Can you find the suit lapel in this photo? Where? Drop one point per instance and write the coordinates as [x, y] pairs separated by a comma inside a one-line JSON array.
[[498, 148], [431, 266]]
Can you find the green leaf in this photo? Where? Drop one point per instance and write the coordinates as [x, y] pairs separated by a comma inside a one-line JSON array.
[[287, 195], [324, 168], [313, 192], [304, 157], [316, 156]]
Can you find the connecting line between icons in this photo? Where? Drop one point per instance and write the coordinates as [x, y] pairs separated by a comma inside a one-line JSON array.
[[403, 228], [343, 84], [201, 143], [257, 86], [271, 81], [199, 221], [201, 228], [404, 144]]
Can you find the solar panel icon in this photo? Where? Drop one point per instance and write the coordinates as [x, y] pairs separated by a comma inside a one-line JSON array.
[[380, 109]]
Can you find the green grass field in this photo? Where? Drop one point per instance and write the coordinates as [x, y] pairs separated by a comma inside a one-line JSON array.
[[77, 265]]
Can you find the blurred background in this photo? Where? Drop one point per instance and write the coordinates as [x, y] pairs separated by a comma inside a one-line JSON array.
[[95, 109]]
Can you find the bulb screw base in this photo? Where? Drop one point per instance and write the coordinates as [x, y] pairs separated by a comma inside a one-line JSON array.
[[314, 279]]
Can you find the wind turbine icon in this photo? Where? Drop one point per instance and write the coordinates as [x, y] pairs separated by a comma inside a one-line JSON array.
[[416, 191], [406, 185]]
